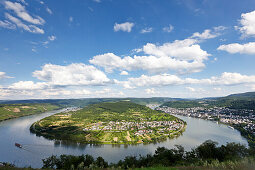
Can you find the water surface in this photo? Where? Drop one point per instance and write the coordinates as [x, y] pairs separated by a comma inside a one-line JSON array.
[[36, 148]]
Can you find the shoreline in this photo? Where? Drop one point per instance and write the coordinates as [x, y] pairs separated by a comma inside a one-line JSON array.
[[175, 134], [233, 127]]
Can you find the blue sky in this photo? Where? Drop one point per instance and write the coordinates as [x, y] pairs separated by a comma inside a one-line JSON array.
[[126, 48]]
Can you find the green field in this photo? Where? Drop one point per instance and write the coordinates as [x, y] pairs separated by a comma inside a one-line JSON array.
[[120, 122], [10, 111]]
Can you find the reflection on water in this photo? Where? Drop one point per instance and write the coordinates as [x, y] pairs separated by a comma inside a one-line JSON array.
[[37, 148]]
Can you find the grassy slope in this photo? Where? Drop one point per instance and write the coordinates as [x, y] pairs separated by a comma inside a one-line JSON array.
[[71, 128], [9, 111]]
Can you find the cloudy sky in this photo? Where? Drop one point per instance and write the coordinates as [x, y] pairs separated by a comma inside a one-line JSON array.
[[126, 48]]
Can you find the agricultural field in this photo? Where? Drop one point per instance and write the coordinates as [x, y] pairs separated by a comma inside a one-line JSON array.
[[10, 111], [119, 122]]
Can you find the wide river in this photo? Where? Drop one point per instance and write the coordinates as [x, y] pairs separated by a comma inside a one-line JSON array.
[[36, 148]]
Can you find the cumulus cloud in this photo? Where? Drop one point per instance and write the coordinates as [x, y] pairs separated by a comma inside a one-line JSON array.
[[28, 85], [124, 73], [208, 33], [22, 13], [150, 91], [232, 79], [65, 93], [247, 23], [23, 2], [7, 24], [3, 75], [168, 29], [157, 80], [225, 78], [20, 24], [191, 89], [71, 75], [183, 56], [146, 30], [49, 10], [248, 48], [52, 38], [125, 27]]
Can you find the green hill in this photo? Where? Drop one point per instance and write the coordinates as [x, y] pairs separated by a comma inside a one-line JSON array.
[[233, 101], [9, 111], [87, 101], [182, 104]]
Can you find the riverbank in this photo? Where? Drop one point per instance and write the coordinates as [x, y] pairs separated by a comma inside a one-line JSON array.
[[110, 123], [38, 148], [249, 137], [11, 111]]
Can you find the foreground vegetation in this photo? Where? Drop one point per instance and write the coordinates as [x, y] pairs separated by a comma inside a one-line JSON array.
[[9, 111], [206, 156], [120, 122]]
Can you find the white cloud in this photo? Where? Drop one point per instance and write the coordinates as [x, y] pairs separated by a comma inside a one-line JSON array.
[[98, 1], [205, 35], [232, 79], [170, 80], [28, 85], [150, 91], [183, 56], [191, 89], [168, 29], [146, 30], [45, 42], [124, 73], [29, 28], [209, 34], [49, 10], [248, 48], [157, 80], [23, 1], [70, 19], [71, 75], [217, 88], [65, 93], [7, 24], [3, 75], [247, 23], [126, 27], [22, 13], [52, 38]]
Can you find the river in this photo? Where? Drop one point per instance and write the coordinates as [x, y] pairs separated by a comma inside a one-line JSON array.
[[36, 148]]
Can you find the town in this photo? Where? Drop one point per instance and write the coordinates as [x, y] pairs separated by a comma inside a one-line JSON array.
[[231, 117], [140, 128]]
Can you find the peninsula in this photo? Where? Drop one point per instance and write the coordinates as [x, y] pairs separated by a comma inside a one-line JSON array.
[[121, 122]]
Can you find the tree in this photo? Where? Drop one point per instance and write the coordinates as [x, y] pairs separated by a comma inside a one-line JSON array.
[[101, 163]]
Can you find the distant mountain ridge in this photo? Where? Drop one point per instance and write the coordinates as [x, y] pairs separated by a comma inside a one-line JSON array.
[[240, 100], [233, 101], [86, 101], [242, 95]]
